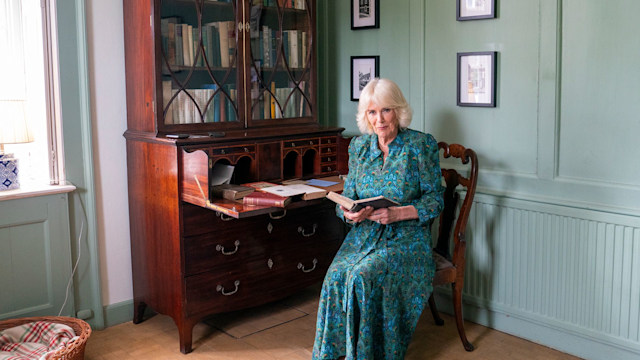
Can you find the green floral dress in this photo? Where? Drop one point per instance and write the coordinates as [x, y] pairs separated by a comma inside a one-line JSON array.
[[380, 279]]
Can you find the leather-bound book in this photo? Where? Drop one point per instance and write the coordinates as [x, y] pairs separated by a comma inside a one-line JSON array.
[[231, 191], [265, 199]]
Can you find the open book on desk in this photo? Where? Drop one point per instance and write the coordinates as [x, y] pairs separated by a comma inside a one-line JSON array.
[[306, 192], [376, 202]]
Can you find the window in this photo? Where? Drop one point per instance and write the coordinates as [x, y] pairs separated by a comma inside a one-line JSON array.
[[28, 91]]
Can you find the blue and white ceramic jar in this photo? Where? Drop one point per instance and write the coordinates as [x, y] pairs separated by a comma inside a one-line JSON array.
[[8, 172]]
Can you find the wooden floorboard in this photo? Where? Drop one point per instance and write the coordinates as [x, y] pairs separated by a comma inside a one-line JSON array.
[[157, 338]]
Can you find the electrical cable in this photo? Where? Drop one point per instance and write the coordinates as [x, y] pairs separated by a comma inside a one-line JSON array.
[[66, 296]]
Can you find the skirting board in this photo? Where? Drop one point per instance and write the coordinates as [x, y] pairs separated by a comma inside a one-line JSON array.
[[539, 331], [118, 313]]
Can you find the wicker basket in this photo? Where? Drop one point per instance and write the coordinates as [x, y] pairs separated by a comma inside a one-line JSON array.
[[73, 350]]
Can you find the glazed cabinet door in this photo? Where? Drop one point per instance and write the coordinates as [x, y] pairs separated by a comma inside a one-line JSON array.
[[281, 62], [201, 72], [232, 64]]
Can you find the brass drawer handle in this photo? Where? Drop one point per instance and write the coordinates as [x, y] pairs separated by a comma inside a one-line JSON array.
[[276, 217], [313, 232], [301, 267], [220, 288], [221, 248], [224, 217]]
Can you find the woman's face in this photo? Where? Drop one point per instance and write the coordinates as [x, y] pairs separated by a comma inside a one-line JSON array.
[[383, 121]]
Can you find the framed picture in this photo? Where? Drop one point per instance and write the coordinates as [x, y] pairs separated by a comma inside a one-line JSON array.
[[365, 14], [477, 78], [475, 9], [363, 70]]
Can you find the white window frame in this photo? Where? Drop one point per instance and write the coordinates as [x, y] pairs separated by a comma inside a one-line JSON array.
[[57, 179]]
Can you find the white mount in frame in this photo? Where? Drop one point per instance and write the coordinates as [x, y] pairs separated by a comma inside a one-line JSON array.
[[477, 78], [475, 9]]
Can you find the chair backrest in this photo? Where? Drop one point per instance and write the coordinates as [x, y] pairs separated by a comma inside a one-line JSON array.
[[451, 196]]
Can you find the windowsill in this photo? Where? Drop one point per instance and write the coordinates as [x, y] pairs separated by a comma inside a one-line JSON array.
[[32, 191]]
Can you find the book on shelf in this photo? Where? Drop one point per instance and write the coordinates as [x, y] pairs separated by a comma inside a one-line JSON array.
[[166, 97], [306, 192], [273, 101], [187, 44], [231, 191], [293, 49], [376, 202], [265, 199]]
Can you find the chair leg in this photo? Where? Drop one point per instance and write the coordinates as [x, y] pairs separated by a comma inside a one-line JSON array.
[[457, 309], [434, 311]]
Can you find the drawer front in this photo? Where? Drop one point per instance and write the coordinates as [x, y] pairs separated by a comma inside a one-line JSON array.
[[258, 281], [328, 140], [300, 143], [328, 150], [328, 168], [228, 243], [307, 226], [241, 149], [227, 246], [328, 159]]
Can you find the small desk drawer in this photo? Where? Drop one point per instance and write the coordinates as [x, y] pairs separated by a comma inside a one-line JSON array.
[[234, 150], [328, 168], [328, 150], [300, 143], [328, 159], [327, 140]]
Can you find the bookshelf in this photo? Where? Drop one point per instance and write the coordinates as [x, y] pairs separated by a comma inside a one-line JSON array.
[[234, 83], [236, 64]]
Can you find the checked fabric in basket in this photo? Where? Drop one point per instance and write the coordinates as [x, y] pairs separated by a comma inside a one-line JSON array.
[[34, 340]]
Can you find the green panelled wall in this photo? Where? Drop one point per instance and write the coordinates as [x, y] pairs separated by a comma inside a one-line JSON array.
[[77, 138], [35, 256], [554, 237], [337, 43]]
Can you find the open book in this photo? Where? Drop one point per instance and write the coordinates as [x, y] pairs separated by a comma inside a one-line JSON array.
[[307, 192], [375, 202]]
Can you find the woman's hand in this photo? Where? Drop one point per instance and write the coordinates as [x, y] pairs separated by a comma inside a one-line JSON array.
[[359, 216], [392, 214]]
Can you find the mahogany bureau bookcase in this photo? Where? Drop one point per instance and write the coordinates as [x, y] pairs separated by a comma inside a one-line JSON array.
[[229, 82]]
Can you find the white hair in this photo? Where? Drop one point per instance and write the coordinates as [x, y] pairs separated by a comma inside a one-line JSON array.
[[384, 93]]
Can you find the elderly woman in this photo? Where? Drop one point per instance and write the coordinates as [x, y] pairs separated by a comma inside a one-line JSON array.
[[380, 279]]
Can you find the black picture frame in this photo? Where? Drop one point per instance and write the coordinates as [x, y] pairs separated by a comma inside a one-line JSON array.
[[363, 70], [475, 9], [365, 14], [477, 78]]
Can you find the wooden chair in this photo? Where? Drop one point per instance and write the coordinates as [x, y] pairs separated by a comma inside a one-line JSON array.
[[450, 268]]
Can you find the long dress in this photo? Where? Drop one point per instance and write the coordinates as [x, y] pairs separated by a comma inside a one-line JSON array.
[[380, 279]]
